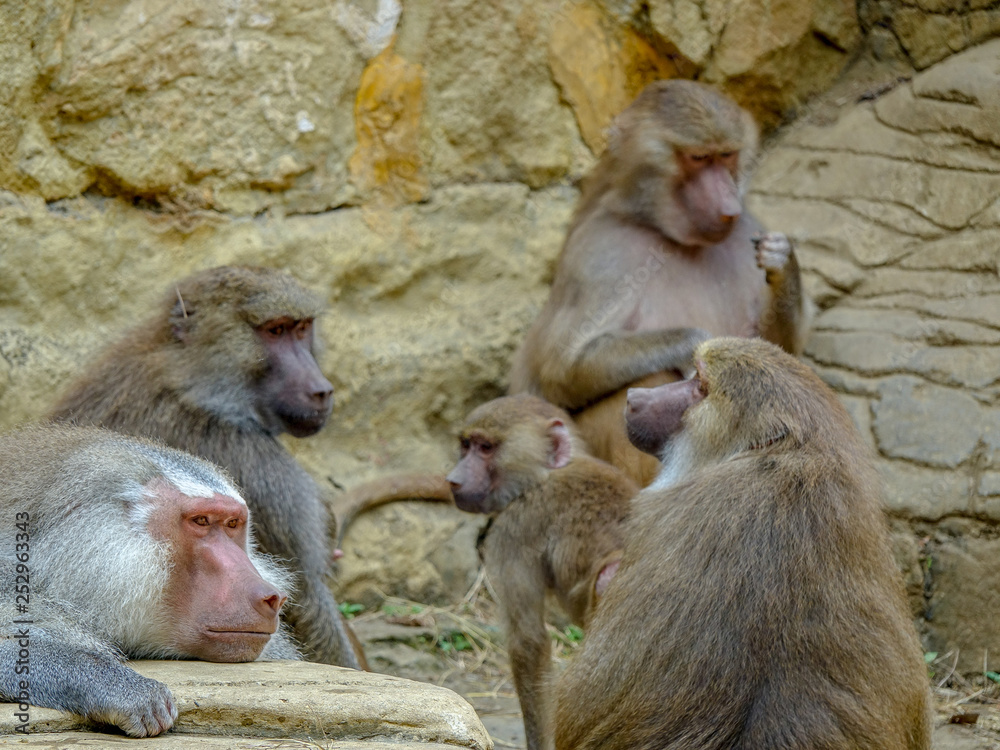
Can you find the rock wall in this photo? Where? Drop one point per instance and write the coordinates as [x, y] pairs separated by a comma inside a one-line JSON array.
[[251, 105], [417, 164], [896, 208], [927, 31]]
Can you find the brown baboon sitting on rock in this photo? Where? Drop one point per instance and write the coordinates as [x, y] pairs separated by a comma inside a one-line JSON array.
[[757, 604]]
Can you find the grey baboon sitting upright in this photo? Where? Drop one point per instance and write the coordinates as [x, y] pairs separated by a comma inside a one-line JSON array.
[[221, 369], [123, 548]]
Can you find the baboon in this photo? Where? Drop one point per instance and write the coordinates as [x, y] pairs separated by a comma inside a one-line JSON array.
[[557, 528], [659, 255], [120, 548], [222, 368], [757, 604]]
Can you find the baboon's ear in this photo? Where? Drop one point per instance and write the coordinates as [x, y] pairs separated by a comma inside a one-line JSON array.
[[560, 445]]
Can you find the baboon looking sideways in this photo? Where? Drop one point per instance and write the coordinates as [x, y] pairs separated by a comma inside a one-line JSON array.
[[757, 579], [659, 255], [223, 367], [122, 548], [557, 529]]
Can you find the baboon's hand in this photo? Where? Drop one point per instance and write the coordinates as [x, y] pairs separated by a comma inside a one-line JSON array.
[[695, 338], [773, 251], [141, 707]]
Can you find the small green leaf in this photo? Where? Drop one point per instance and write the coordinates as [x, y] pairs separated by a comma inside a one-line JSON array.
[[454, 641], [349, 609], [574, 634], [930, 656]]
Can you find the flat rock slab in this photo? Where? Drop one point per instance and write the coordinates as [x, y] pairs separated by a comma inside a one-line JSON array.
[[337, 707], [99, 741]]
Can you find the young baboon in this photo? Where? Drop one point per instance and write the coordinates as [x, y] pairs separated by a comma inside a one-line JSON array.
[[123, 548], [659, 252], [223, 367], [557, 528], [757, 579]]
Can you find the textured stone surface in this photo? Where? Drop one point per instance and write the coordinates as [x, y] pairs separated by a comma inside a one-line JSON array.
[[927, 31], [926, 423], [769, 55], [894, 206], [492, 111], [601, 67], [296, 699], [225, 106], [966, 596], [387, 123], [98, 741], [307, 106]]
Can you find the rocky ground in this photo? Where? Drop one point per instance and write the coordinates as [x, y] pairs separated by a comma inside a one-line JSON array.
[[461, 647]]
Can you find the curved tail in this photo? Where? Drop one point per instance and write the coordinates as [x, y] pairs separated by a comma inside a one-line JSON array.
[[364, 497]]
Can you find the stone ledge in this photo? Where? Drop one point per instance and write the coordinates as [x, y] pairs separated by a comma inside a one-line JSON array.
[[96, 741], [290, 699]]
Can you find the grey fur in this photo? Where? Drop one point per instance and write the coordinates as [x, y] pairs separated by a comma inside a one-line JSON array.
[[95, 574], [189, 378]]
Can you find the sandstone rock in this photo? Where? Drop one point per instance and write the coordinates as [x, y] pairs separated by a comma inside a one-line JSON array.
[[865, 352], [967, 251], [387, 123], [295, 700], [969, 82], [96, 741], [889, 191], [926, 423], [860, 410], [928, 37], [249, 108], [930, 31], [918, 492], [908, 325], [989, 484], [846, 381], [770, 57], [602, 66], [882, 282], [492, 110], [425, 552], [235, 108], [941, 149], [826, 223], [965, 595], [982, 309]]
